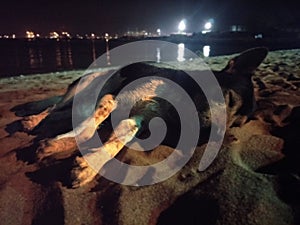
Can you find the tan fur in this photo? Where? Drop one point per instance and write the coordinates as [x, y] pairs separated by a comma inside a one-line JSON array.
[[88, 167], [83, 132]]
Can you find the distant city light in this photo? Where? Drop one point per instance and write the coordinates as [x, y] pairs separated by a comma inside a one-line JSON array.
[[158, 32], [30, 34], [258, 36], [208, 25], [66, 34], [107, 37], [8, 36], [79, 36], [181, 26], [54, 35]]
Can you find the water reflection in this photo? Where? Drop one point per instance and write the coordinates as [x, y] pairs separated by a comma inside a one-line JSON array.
[[107, 53], [158, 55], [63, 55], [69, 55], [40, 56], [180, 53], [93, 50], [32, 58], [58, 56], [206, 51], [35, 57]]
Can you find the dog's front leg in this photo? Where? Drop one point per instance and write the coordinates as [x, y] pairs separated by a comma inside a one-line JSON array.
[[83, 132], [89, 165]]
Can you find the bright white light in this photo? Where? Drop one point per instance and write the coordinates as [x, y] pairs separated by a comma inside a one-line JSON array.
[[208, 25], [54, 35], [158, 32], [30, 34], [158, 55], [107, 37], [206, 50], [181, 26], [180, 53]]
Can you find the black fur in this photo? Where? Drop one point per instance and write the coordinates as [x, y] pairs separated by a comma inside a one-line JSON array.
[[236, 78]]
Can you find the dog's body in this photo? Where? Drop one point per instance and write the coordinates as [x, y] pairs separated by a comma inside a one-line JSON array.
[[234, 79]]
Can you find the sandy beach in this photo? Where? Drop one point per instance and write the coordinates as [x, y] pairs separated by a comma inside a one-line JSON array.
[[255, 179]]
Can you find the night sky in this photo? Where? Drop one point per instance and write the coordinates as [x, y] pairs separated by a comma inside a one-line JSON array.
[[101, 16]]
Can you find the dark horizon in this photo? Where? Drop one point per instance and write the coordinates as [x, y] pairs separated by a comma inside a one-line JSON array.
[[118, 16]]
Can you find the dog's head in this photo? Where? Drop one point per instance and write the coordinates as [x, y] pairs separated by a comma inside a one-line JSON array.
[[246, 62], [236, 83]]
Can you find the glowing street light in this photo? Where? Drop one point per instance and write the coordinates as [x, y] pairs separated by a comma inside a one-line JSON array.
[[158, 32], [181, 26], [208, 25], [30, 34], [54, 35], [106, 37]]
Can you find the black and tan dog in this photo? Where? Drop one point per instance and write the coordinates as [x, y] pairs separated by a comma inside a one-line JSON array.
[[234, 80]]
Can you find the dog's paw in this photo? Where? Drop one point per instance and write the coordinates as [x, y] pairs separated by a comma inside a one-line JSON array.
[[82, 173], [30, 122], [52, 146], [46, 148]]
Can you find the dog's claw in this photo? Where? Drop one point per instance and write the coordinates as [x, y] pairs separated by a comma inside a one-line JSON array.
[[82, 173], [45, 150]]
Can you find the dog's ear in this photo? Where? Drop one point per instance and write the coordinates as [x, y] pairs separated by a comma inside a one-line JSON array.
[[247, 61]]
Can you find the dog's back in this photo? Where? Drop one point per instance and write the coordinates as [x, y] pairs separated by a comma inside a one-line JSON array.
[[235, 81]]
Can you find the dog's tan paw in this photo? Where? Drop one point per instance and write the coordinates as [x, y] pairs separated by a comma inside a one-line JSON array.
[[82, 173], [50, 147], [46, 149], [30, 122]]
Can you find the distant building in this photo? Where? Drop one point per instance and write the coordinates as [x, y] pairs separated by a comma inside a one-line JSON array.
[[65, 35], [238, 28], [7, 36], [53, 35], [30, 35], [138, 34]]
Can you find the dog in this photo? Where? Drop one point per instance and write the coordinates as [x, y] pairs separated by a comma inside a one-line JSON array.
[[143, 102]]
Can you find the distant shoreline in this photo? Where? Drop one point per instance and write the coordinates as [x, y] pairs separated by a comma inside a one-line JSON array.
[[215, 63]]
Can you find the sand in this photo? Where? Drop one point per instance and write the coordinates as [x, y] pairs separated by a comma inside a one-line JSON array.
[[254, 180]]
